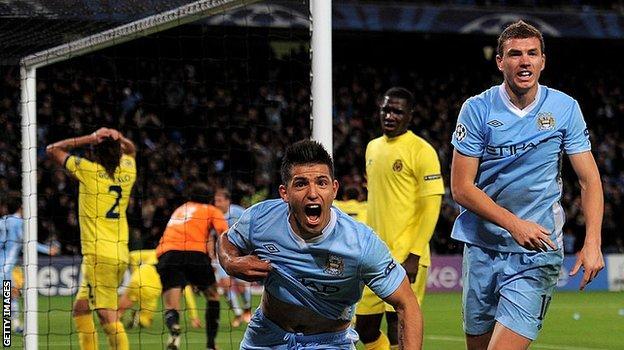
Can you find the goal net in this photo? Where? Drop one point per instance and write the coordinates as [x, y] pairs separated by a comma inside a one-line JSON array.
[[208, 91]]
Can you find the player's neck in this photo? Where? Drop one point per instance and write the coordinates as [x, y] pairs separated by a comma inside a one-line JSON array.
[[521, 99], [300, 230]]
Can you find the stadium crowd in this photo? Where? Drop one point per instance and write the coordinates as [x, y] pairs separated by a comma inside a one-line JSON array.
[[226, 122]]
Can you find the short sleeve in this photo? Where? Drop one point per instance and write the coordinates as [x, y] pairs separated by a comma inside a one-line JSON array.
[[468, 136], [576, 138], [240, 233], [428, 173], [80, 167], [380, 272]]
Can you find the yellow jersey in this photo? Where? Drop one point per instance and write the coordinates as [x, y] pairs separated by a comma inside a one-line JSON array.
[[399, 171], [102, 204], [353, 208]]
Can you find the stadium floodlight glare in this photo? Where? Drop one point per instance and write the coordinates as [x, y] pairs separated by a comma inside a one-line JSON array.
[[29, 65]]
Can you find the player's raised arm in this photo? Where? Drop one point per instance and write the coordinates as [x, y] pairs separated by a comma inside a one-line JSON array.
[[410, 325], [592, 203], [59, 151], [127, 146], [235, 263]]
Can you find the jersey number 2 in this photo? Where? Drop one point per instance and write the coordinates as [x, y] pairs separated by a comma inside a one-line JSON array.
[[111, 214]]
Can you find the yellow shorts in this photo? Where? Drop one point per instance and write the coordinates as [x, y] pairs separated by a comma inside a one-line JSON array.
[[145, 287], [371, 304], [100, 279]]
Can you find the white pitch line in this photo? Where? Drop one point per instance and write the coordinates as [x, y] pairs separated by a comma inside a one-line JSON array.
[[533, 346]]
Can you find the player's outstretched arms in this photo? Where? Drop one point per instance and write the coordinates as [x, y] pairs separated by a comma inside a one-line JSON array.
[[409, 315], [528, 234], [246, 267]]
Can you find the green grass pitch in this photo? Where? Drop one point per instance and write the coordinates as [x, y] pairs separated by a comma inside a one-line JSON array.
[[575, 321]]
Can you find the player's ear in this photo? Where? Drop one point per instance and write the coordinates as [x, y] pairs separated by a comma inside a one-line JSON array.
[[283, 193], [543, 61], [499, 62], [335, 185]]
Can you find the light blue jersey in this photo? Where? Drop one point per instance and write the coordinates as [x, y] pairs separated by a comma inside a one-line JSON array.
[[325, 274], [11, 242], [232, 216], [520, 155]]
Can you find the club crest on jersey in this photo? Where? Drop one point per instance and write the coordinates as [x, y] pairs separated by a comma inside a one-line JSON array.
[[334, 265], [397, 166], [545, 121]]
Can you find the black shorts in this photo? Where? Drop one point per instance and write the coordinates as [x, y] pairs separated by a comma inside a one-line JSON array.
[[178, 268]]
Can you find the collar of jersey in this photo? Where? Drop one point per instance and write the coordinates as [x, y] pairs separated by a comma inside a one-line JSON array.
[[515, 110], [396, 138], [324, 234]]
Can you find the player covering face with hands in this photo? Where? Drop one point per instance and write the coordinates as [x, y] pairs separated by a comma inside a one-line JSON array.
[[314, 261]]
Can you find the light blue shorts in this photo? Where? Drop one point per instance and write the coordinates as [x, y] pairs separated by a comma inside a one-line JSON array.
[[263, 334], [514, 289]]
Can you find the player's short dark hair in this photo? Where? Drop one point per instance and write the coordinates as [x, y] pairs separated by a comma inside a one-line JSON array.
[[199, 193], [108, 154], [519, 30], [402, 93], [304, 152], [13, 202]]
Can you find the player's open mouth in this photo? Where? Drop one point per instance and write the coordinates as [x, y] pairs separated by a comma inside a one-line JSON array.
[[313, 213], [525, 75]]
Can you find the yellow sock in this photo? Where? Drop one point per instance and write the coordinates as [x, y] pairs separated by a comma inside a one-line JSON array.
[[87, 335], [145, 318], [116, 334], [382, 343]]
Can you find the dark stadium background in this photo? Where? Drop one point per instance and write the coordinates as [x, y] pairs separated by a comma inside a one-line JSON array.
[[201, 104]]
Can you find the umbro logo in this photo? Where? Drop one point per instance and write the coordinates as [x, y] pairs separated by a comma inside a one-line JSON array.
[[495, 123], [271, 248]]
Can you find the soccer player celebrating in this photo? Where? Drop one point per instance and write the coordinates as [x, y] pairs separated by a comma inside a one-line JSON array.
[[184, 258], [505, 174], [404, 196], [314, 261], [104, 192]]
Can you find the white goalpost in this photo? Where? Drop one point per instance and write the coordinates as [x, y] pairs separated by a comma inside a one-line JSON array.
[[321, 119], [321, 75]]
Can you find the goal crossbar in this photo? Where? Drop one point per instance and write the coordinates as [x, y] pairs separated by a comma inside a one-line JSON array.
[[142, 27]]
